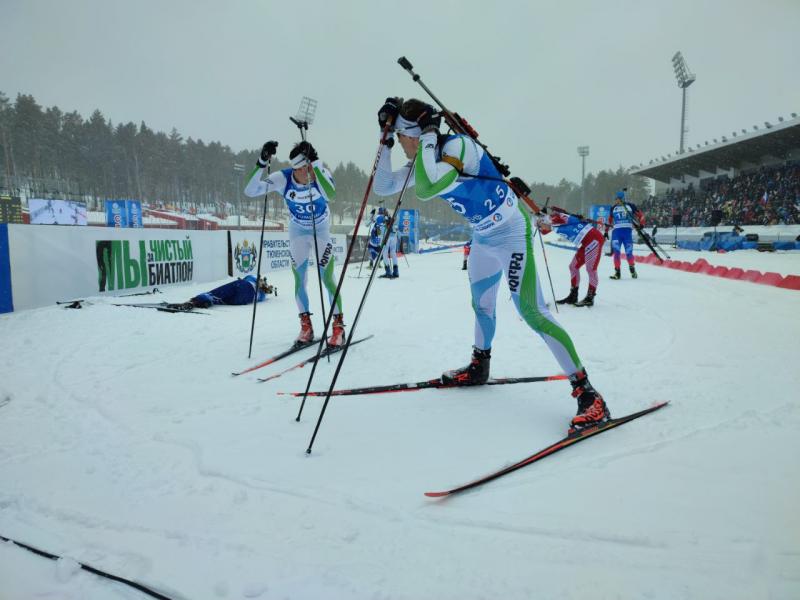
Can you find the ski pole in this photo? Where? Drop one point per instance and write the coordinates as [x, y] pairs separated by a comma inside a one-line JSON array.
[[303, 126], [386, 235], [350, 247], [260, 252], [364, 253], [544, 254]]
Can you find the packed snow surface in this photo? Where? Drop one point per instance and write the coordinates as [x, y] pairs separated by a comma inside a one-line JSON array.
[[126, 444]]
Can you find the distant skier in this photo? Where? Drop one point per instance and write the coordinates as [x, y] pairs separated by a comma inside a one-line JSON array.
[[307, 187], [235, 293], [590, 249], [467, 248], [389, 254], [374, 243], [457, 169], [622, 217]]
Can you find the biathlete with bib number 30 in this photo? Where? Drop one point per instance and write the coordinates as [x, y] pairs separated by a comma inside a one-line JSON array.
[[307, 187], [456, 169]]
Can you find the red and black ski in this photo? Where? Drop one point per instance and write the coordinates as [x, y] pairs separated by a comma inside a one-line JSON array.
[[423, 385], [295, 348], [571, 439], [328, 351]]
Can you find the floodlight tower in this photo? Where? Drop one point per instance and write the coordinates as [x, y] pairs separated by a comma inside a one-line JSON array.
[[583, 152], [685, 79]]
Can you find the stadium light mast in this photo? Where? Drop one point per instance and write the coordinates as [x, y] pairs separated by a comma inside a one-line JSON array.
[[583, 152], [685, 79]]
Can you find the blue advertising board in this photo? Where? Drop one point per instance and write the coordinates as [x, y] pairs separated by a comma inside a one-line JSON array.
[[600, 212], [116, 213], [124, 213], [6, 297], [408, 227], [134, 213]]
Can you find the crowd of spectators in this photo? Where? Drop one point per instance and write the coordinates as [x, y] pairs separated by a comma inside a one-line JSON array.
[[765, 196]]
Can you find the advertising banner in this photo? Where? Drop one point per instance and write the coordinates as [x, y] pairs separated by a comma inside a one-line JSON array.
[[276, 256], [57, 212], [408, 227], [134, 210], [599, 212], [10, 209], [49, 264], [6, 297], [116, 213]]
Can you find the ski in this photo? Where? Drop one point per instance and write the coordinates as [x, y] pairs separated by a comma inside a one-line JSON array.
[[423, 385], [294, 348], [165, 307], [311, 360], [565, 442]]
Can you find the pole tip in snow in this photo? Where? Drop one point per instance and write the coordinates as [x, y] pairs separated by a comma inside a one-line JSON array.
[[404, 62]]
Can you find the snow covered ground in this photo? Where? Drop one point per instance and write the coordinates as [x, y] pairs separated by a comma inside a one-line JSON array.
[[126, 444]]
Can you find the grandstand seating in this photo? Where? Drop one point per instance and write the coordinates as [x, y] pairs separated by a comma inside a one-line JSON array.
[[765, 196]]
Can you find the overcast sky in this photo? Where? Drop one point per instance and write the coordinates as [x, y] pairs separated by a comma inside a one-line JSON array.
[[537, 79]]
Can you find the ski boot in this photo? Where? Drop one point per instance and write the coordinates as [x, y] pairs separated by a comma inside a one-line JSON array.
[[588, 300], [592, 409], [395, 273], [370, 264], [337, 335], [633, 272], [616, 275], [387, 274], [571, 299], [464, 268], [475, 373], [306, 335]]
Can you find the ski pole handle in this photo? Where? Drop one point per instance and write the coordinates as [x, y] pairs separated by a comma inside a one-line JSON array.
[[406, 64]]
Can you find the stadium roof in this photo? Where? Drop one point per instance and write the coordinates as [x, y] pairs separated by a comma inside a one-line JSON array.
[[730, 153]]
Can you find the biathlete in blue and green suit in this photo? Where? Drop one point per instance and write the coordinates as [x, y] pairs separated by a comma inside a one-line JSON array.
[[457, 170]]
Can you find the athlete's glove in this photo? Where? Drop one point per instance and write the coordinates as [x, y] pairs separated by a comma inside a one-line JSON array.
[[430, 120], [389, 110], [267, 150], [307, 150]]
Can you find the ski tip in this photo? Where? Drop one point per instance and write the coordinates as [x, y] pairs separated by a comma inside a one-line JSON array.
[[437, 494]]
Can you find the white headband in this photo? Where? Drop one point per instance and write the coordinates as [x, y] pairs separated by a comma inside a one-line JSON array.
[[299, 161], [409, 128]]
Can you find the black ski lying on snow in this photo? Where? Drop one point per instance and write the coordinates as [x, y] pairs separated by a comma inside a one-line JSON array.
[[422, 385], [129, 582], [166, 307], [296, 347], [569, 440], [328, 351], [162, 306]]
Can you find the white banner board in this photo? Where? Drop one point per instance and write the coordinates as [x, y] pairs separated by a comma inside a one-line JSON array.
[[276, 255], [61, 263]]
